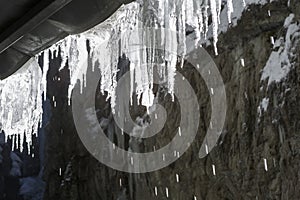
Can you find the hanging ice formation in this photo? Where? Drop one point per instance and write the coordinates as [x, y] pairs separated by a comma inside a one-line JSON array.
[[21, 104], [165, 14], [20, 114]]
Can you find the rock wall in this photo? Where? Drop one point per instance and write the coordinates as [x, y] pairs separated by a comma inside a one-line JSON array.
[[252, 135]]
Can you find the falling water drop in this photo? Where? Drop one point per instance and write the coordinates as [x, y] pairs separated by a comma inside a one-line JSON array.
[[214, 169], [177, 178], [266, 164]]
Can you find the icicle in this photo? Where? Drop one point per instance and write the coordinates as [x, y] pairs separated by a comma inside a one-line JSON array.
[[45, 72], [183, 16], [188, 11], [13, 142], [170, 45], [78, 58], [219, 10], [205, 15], [230, 10], [21, 104], [199, 25], [18, 143], [214, 13], [65, 51]]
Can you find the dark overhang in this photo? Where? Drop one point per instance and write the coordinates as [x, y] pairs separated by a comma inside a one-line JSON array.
[[30, 26]]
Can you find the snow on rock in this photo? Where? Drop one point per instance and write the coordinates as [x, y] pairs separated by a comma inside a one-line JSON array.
[[263, 106], [279, 63]]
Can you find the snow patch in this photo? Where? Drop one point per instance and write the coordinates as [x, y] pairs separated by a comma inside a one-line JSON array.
[[264, 104], [279, 63]]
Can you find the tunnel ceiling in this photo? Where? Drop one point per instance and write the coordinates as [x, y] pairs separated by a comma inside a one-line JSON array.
[[30, 26]]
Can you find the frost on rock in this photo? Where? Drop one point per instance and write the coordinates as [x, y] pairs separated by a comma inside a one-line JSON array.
[[279, 63], [21, 103], [262, 107]]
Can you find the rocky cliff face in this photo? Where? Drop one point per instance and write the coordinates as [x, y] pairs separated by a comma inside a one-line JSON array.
[[257, 156]]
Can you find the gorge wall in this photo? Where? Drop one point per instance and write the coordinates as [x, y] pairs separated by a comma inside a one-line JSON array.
[[262, 125]]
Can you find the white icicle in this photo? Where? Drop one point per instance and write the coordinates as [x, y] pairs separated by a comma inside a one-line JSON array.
[[78, 58], [199, 25], [219, 6], [229, 10], [21, 103], [45, 72], [205, 16], [213, 8]]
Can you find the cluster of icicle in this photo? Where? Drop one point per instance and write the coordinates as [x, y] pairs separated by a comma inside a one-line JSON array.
[[172, 15], [21, 104], [21, 107]]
